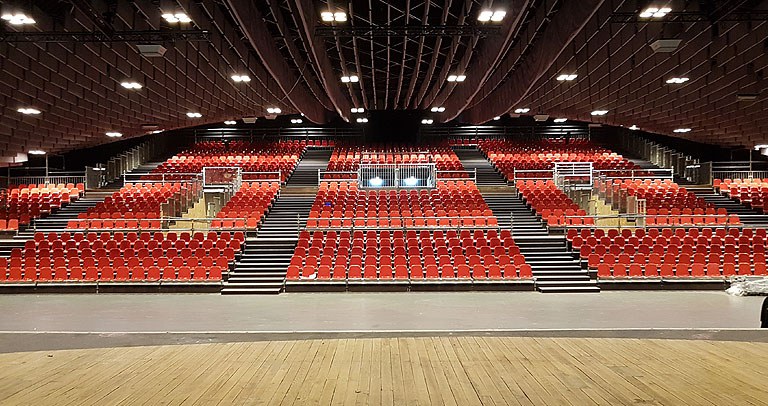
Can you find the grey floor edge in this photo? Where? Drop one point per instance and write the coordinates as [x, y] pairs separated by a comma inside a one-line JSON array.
[[29, 341]]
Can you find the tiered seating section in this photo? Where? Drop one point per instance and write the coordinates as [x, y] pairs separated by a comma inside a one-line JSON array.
[[261, 156], [20, 204], [407, 255], [121, 257], [549, 201], [347, 158], [750, 192], [250, 203], [664, 253], [130, 207], [507, 155], [669, 204], [451, 203]]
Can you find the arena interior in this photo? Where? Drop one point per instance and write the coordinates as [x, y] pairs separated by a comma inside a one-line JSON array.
[[534, 202]]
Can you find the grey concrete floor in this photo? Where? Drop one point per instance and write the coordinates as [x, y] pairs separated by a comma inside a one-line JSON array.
[[383, 312], [52, 322]]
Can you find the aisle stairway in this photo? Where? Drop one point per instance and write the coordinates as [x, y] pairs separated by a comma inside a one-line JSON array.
[[554, 268], [314, 159], [748, 216], [262, 266], [473, 159]]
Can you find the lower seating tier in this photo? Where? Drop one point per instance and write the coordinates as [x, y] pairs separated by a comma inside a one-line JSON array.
[[399, 255]]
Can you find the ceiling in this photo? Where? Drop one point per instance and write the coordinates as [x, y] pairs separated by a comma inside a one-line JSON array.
[[402, 51]]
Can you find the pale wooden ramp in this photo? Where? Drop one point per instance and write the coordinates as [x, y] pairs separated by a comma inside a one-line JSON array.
[[396, 371]]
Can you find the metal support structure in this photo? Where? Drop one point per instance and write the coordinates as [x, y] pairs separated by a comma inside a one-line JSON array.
[[115, 36], [467, 30]]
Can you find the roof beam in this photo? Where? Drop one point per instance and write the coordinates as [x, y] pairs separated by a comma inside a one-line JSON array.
[[307, 15], [564, 27], [245, 13]]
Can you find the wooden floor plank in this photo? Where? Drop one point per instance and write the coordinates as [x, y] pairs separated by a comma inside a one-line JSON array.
[[395, 371]]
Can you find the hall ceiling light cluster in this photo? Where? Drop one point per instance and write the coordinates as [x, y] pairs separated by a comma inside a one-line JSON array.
[[230, 122], [491, 15], [560, 120], [28, 111], [131, 85], [522, 110], [457, 78], [177, 18], [194, 115], [241, 78], [567, 77], [113, 134], [357, 110], [437, 109], [18, 19], [274, 110], [676, 81], [599, 112], [427, 121], [296, 121], [634, 127], [362, 120], [350, 79], [36, 152], [682, 130], [338, 16], [655, 12]]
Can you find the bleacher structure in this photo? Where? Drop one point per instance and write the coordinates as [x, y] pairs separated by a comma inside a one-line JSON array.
[[274, 215]]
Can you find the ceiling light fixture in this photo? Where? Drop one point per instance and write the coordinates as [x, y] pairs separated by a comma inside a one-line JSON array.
[[241, 78], [676, 81], [497, 118], [274, 110], [561, 120], [567, 77], [599, 112], [131, 85], [113, 134], [18, 19], [296, 121], [437, 109], [338, 16], [28, 111], [194, 115], [634, 127], [655, 12], [522, 110], [357, 110], [491, 15], [350, 79], [157, 131], [36, 152], [362, 120], [682, 130], [457, 78], [427, 121], [230, 122], [177, 18]]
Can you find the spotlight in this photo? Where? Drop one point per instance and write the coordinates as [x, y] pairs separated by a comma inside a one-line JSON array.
[[376, 182], [655, 12], [131, 85], [456, 78], [36, 152], [561, 120], [677, 81], [437, 109], [362, 120], [230, 122], [18, 19], [682, 130], [634, 127], [274, 110], [411, 181], [567, 77], [427, 121], [599, 112], [194, 115], [177, 18], [357, 110], [114, 135], [522, 110]]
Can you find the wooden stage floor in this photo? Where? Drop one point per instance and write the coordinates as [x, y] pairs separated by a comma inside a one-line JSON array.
[[396, 371]]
